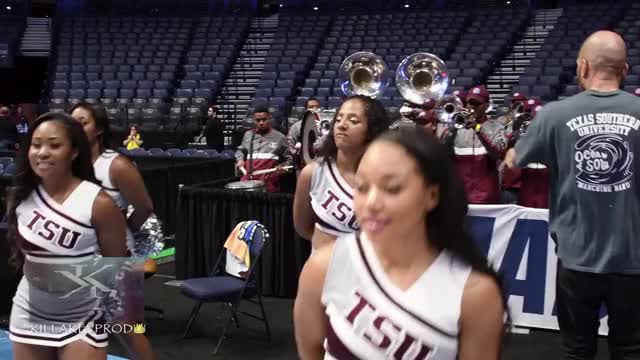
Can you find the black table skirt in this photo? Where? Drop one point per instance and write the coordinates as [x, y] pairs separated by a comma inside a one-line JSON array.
[[207, 214], [163, 183]]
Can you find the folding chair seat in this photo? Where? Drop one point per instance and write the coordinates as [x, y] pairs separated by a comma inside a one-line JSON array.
[[232, 283]]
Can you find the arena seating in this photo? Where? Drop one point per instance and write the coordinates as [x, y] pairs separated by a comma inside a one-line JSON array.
[[629, 28], [293, 51], [127, 64], [174, 152], [481, 47], [11, 30], [552, 72], [163, 72], [215, 45], [392, 36]]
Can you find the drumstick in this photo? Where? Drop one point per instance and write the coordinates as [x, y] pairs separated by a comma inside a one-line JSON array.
[[242, 170], [267, 171]]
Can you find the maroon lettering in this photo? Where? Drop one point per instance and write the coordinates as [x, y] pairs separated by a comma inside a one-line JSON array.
[[353, 223], [63, 237], [388, 333], [424, 351], [332, 197], [341, 208], [35, 219], [357, 309], [50, 232], [385, 340]]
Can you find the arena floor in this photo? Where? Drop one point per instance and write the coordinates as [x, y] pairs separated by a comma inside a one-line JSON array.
[[249, 342]]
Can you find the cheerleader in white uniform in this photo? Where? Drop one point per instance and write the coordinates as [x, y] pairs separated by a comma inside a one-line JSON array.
[[411, 284], [58, 216], [323, 204], [121, 179]]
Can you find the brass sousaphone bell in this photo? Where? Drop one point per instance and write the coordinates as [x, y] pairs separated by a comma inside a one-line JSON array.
[[362, 73], [419, 77]]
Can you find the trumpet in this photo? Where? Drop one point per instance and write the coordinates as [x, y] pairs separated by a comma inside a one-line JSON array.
[[450, 110]]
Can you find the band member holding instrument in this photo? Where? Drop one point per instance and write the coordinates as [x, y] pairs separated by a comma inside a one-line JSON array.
[[59, 216], [120, 179], [478, 147], [590, 142], [462, 95], [294, 137], [511, 179], [323, 204], [534, 190], [411, 284], [263, 148]]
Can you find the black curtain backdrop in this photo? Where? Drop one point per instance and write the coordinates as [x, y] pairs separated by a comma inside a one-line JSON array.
[[206, 215], [163, 183]]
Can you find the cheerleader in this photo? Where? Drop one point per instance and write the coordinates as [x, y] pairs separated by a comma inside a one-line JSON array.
[[323, 203], [122, 181], [58, 216], [411, 285]]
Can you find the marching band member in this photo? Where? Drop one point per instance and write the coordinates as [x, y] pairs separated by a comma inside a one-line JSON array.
[[511, 179], [263, 148], [58, 215], [120, 179], [534, 191], [323, 203], [478, 147], [411, 285], [462, 95]]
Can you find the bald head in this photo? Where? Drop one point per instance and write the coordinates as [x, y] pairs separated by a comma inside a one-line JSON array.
[[605, 51]]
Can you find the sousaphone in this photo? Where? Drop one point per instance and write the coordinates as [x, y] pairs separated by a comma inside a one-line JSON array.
[[362, 73]]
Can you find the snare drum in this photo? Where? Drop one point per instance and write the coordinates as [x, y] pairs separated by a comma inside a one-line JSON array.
[[248, 185]]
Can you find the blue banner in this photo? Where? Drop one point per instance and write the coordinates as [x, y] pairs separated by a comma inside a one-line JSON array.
[[516, 240]]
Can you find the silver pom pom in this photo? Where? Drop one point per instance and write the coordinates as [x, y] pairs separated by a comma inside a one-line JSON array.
[[149, 240]]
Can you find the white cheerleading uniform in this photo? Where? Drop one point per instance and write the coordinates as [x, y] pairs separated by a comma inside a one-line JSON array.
[[56, 237], [370, 318], [102, 167], [332, 200]]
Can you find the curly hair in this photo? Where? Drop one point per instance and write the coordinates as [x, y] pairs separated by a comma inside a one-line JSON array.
[[377, 123]]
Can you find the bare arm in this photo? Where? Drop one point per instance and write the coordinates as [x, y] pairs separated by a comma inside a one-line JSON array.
[[482, 325], [308, 312], [110, 226], [126, 177], [303, 217]]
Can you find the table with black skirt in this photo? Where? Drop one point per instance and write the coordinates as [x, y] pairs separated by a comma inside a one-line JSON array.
[[206, 215]]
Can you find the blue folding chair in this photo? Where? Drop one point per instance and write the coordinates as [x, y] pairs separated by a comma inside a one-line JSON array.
[[221, 287]]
